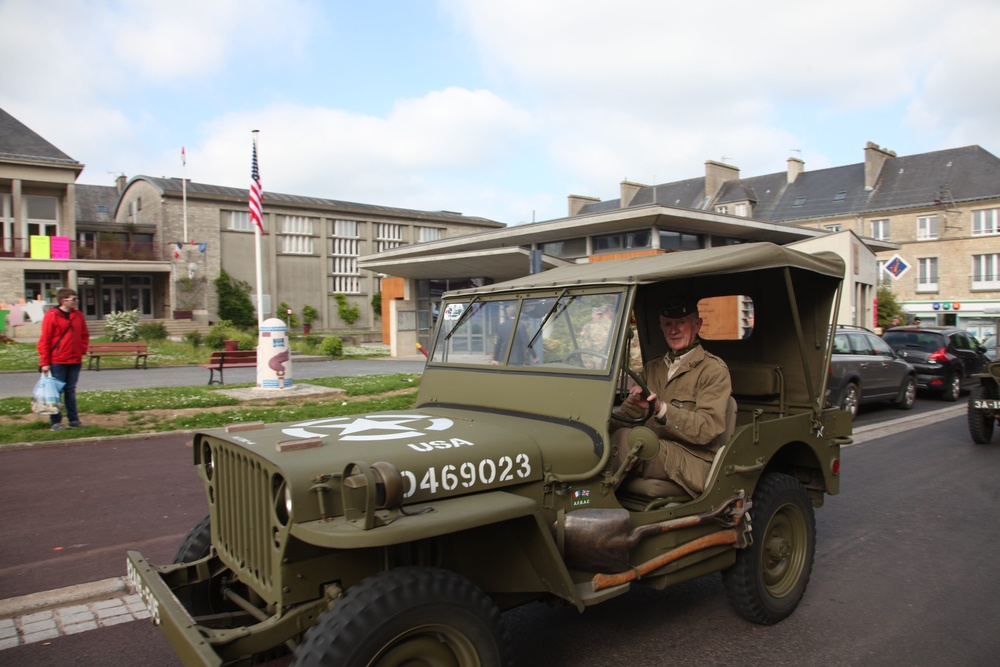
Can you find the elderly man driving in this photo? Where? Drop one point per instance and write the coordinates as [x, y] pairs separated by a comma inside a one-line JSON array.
[[689, 392]]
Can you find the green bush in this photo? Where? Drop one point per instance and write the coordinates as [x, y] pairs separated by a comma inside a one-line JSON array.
[[122, 326], [234, 301], [246, 341], [312, 340], [347, 312], [222, 331], [309, 315], [333, 347], [194, 339], [150, 331]]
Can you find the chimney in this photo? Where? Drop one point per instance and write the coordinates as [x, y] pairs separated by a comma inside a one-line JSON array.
[[120, 183], [577, 202], [629, 189], [716, 175], [875, 157], [795, 167]]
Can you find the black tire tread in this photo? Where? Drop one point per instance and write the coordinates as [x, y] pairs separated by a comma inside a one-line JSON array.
[[197, 543], [980, 425], [742, 580], [342, 632]]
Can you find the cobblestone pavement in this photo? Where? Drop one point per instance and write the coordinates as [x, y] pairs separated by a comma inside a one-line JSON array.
[[45, 625]]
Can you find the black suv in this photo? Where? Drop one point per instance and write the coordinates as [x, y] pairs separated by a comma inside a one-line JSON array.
[[946, 358], [864, 369]]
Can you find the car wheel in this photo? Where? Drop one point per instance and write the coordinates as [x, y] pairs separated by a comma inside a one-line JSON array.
[[851, 399], [953, 387], [980, 421], [770, 576], [408, 616], [908, 397]]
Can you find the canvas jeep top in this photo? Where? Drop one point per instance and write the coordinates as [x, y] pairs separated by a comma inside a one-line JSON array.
[[378, 538]]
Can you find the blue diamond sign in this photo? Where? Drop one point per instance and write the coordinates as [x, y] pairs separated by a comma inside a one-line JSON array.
[[896, 267]]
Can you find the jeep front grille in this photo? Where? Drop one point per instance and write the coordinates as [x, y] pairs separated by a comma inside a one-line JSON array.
[[242, 520]]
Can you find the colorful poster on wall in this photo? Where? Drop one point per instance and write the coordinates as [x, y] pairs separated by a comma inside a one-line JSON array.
[[60, 247], [40, 247]]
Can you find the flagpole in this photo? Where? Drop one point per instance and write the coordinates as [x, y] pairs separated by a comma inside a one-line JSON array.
[[257, 244], [184, 191]]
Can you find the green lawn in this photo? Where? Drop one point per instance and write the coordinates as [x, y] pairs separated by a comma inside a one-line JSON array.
[[140, 406]]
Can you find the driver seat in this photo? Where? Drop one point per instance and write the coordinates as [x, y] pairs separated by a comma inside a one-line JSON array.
[[663, 488]]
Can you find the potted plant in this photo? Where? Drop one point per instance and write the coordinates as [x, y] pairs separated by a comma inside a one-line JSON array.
[[309, 315]]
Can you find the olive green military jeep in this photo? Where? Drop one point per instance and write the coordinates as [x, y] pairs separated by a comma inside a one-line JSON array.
[[386, 538], [984, 404]]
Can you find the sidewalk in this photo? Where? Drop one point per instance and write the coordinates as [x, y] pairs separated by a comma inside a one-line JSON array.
[[20, 383]]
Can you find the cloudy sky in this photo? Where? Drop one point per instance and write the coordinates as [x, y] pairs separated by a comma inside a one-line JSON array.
[[496, 109]]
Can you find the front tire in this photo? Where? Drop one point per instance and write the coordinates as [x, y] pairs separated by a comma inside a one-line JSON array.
[[770, 576], [409, 616], [980, 423]]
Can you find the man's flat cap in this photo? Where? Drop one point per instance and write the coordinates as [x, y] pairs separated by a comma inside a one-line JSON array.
[[679, 307]]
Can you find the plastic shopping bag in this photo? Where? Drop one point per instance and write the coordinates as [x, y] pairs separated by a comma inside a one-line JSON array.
[[45, 397]]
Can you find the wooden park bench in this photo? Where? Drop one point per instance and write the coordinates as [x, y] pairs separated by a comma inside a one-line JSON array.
[[220, 361], [98, 350]]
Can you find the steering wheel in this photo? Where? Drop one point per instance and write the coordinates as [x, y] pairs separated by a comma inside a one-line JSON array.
[[581, 352], [625, 419]]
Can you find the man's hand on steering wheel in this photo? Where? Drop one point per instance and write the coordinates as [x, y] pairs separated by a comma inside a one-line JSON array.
[[637, 397]]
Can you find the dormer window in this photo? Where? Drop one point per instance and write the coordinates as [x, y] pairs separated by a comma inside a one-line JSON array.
[[800, 201], [840, 196]]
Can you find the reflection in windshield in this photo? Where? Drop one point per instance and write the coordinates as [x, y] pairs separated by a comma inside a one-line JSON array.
[[569, 330]]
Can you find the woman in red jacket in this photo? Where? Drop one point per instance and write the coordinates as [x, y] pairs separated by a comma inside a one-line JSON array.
[[61, 348]]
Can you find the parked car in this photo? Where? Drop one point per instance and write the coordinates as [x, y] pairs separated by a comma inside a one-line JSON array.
[[946, 358], [864, 369], [990, 343]]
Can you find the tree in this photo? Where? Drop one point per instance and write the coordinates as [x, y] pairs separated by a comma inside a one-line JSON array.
[[234, 301], [888, 307]]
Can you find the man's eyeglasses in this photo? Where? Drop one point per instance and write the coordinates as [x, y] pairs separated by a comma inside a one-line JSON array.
[[71, 298]]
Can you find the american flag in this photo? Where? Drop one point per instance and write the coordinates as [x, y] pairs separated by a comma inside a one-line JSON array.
[[256, 193]]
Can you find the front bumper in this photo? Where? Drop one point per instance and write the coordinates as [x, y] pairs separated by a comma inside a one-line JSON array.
[[205, 646], [167, 612]]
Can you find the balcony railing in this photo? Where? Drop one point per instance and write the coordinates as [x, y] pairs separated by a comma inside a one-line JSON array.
[[99, 249]]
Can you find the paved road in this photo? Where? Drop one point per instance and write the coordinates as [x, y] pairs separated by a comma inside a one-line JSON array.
[[21, 384]]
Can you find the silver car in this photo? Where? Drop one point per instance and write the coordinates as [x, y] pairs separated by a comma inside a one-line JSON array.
[[864, 369]]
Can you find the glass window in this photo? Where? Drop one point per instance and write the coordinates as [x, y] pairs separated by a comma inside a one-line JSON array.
[[238, 220], [624, 241], [880, 229], [927, 274], [679, 241], [986, 271], [927, 228], [425, 234], [557, 333], [387, 236], [566, 248], [986, 222]]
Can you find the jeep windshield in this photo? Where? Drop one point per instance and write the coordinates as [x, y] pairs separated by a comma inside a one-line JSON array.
[[564, 328]]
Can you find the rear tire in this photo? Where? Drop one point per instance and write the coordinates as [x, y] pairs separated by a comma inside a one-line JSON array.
[[953, 388], [909, 396], [408, 616], [851, 399], [770, 576], [980, 423]]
